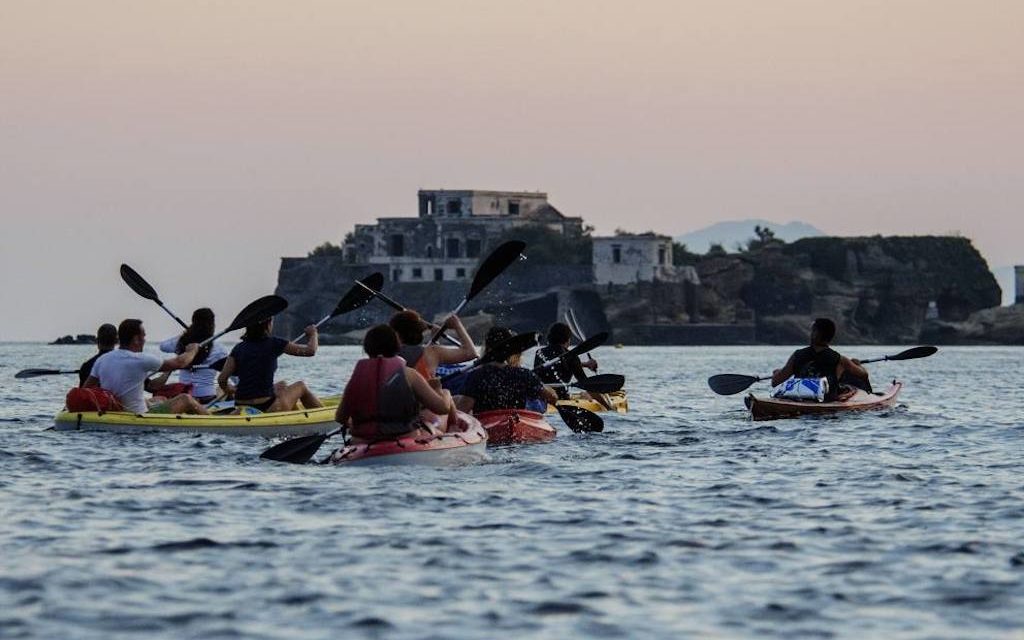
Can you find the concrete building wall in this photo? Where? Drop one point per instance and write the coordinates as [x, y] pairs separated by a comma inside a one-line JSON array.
[[625, 259], [1019, 279]]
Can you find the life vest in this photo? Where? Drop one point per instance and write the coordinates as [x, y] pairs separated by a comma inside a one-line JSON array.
[[379, 399], [413, 355], [82, 399]]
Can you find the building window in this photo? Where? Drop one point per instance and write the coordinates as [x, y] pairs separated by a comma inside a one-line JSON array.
[[661, 254], [460, 272], [452, 248], [396, 275], [397, 245], [473, 248], [513, 208], [455, 206], [417, 273], [616, 254], [430, 251], [439, 274]]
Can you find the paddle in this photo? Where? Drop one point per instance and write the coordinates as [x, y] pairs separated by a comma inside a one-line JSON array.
[[359, 295], [589, 344], [299, 450], [580, 420], [576, 329], [601, 383], [397, 306], [489, 269], [34, 373], [139, 285], [255, 311], [727, 384]]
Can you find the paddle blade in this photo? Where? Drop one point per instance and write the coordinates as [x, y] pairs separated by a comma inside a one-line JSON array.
[[914, 353], [138, 284], [494, 264], [34, 373], [580, 420], [360, 294], [602, 383], [727, 384], [587, 345], [258, 310], [297, 450]]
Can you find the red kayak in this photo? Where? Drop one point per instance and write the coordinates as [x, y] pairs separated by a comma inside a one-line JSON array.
[[775, 408], [466, 443], [514, 426]]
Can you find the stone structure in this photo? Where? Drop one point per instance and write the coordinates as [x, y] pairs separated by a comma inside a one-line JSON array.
[[1018, 272], [453, 230], [626, 258]]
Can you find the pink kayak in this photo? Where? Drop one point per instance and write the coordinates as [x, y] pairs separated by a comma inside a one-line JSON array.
[[513, 426], [463, 444]]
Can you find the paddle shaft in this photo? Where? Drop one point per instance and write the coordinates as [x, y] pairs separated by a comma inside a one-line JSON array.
[[398, 307], [317, 325]]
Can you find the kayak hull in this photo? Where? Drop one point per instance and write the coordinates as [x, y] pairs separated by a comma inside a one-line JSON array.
[[619, 401], [267, 425], [516, 426], [775, 409], [465, 445]]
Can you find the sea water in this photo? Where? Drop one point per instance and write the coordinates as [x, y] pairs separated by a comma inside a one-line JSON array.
[[681, 519]]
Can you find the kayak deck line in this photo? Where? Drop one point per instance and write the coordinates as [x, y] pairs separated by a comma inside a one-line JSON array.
[[774, 408]]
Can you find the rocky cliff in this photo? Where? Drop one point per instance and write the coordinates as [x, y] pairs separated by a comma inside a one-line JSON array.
[[877, 288]]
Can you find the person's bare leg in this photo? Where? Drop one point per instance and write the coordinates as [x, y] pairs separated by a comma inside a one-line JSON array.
[[184, 403], [289, 397]]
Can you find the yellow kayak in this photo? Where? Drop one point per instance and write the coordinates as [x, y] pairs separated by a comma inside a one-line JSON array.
[[618, 399], [268, 425]]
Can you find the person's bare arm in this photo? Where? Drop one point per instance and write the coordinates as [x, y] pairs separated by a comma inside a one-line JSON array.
[[439, 403], [224, 379], [305, 350], [181, 360], [852, 366], [780, 375], [454, 355], [548, 394]]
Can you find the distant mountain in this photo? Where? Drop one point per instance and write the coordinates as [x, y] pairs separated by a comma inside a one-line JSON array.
[[732, 232]]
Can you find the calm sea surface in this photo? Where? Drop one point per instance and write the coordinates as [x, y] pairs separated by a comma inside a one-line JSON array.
[[682, 519]]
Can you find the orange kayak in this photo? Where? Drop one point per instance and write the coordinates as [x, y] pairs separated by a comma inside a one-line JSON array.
[[514, 426], [775, 408]]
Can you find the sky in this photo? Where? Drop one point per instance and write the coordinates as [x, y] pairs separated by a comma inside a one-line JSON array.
[[200, 141]]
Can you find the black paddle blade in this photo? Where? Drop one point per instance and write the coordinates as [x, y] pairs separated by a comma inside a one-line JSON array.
[[727, 384], [916, 352], [297, 450], [138, 284], [34, 373], [580, 420], [602, 383], [358, 295], [509, 347], [494, 264], [258, 310]]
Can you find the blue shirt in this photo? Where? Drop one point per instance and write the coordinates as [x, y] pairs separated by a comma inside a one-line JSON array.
[[255, 365]]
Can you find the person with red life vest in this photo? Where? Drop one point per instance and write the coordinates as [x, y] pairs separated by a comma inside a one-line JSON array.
[[410, 328], [384, 397]]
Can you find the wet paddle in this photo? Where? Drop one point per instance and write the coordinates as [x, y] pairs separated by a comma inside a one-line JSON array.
[[489, 269], [299, 450], [256, 311], [576, 329], [139, 285], [727, 384], [589, 344], [397, 306], [358, 296], [601, 383], [35, 373], [580, 420]]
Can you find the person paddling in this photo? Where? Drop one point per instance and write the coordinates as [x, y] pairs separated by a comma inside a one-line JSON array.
[[254, 361], [503, 385], [565, 370], [410, 327], [106, 340], [123, 372], [819, 360], [384, 396], [203, 380]]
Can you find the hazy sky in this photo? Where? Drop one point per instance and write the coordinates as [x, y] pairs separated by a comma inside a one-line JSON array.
[[200, 141]]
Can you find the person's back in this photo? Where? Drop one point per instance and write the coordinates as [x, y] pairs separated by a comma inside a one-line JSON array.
[[200, 376], [425, 359], [106, 341], [123, 373], [413, 357], [501, 386], [255, 366]]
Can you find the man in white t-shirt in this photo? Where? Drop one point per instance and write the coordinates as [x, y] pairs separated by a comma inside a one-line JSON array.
[[123, 372]]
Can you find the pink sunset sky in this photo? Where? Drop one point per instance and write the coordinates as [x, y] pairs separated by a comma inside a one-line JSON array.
[[202, 141]]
